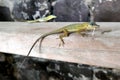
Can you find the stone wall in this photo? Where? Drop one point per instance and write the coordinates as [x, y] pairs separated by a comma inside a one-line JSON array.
[[108, 11], [65, 10], [42, 69]]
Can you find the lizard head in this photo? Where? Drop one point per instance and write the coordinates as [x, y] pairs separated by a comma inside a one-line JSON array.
[[92, 26]]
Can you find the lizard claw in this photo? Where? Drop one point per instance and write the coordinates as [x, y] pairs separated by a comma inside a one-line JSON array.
[[61, 44]]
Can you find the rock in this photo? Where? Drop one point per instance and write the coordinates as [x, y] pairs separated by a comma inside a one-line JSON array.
[[5, 14], [107, 11], [70, 10]]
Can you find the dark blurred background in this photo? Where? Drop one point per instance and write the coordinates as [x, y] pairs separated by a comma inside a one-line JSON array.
[[65, 10]]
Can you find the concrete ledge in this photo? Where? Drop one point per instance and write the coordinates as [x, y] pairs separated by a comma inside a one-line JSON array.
[[103, 50]]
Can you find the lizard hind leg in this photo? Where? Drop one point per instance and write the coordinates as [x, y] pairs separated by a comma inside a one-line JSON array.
[[65, 34]]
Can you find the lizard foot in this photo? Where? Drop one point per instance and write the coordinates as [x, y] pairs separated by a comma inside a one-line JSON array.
[[61, 44]]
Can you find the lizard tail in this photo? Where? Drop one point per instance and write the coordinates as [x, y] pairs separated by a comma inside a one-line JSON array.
[[29, 52], [41, 37], [41, 44]]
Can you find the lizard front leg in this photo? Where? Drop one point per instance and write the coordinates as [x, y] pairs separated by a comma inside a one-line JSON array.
[[82, 32], [65, 34]]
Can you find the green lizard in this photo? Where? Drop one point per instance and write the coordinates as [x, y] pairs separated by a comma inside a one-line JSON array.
[[44, 19], [66, 30]]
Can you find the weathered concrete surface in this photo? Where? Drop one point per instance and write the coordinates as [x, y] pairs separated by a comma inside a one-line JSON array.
[[103, 50]]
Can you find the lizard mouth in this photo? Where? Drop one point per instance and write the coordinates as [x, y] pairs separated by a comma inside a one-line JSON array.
[[94, 24]]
